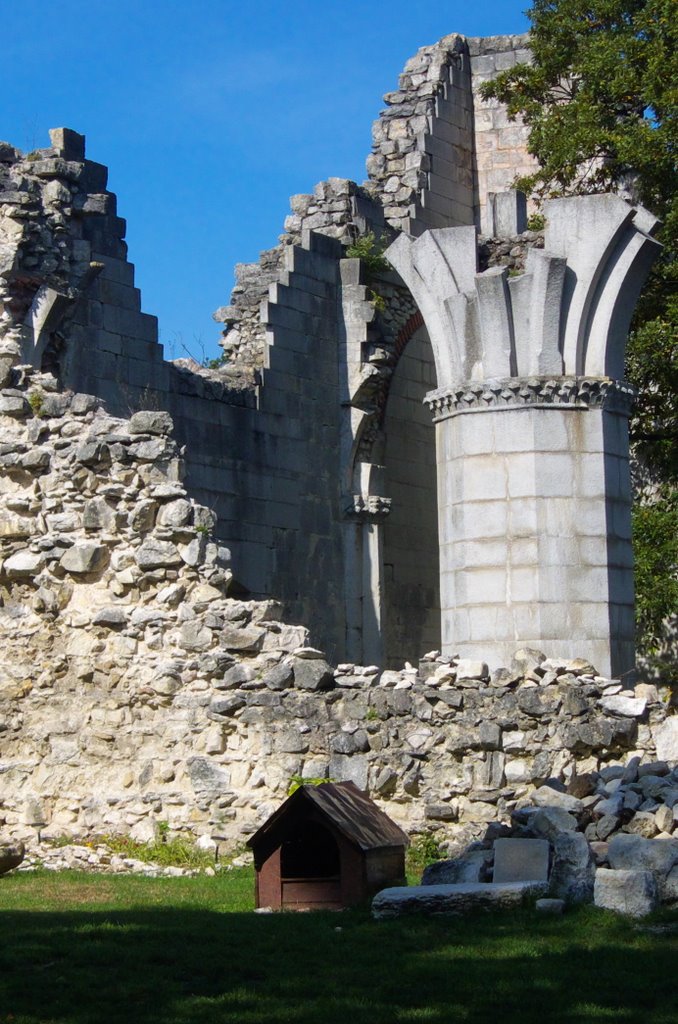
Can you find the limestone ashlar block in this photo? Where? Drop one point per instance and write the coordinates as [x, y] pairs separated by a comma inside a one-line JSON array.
[[484, 478], [455, 143], [144, 373], [631, 892], [102, 238], [481, 617], [68, 143], [310, 264], [104, 340], [481, 586], [458, 171], [458, 188], [521, 860], [130, 323], [107, 366], [273, 377], [117, 294], [115, 270], [310, 285], [483, 65], [295, 297], [458, 210], [456, 115], [94, 177], [290, 319], [428, 218], [523, 584]]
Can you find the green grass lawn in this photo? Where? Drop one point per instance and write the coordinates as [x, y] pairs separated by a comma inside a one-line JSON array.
[[80, 949]]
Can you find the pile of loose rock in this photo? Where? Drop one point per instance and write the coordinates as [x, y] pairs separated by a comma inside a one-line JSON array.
[[610, 834]]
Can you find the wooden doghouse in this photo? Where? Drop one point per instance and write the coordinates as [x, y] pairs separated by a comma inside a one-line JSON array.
[[326, 847]]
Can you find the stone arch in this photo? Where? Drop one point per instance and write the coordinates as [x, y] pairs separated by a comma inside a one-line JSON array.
[[410, 560]]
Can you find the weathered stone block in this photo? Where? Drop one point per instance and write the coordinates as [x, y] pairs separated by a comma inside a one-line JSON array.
[[312, 674], [521, 860], [85, 558], [632, 892], [155, 554], [666, 739], [573, 868], [149, 421]]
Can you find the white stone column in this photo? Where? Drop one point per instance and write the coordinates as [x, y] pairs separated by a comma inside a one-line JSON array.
[[532, 420], [534, 519]]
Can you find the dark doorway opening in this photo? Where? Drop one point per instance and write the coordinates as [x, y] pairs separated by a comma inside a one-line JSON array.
[[312, 853]]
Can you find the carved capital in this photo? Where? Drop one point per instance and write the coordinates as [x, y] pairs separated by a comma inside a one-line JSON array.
[[535, 392], [367, 508]]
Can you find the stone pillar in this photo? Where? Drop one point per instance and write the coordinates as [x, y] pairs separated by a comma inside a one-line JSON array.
[[531, 413], [364, 590], [535, 523]]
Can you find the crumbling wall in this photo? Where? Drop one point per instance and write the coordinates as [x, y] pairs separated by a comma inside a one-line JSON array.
[[438, 149], [262, 456], [500, 145], [266, 433], [134, 690]]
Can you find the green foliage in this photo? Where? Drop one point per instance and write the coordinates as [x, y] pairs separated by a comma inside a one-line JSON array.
[[164, 850], [216, 363], [536, 222], [652, 366], [36, 401], [371, 252], [297, 781], [377, 300], [422, 851], [600, 97], [600, 102], [655, 531]]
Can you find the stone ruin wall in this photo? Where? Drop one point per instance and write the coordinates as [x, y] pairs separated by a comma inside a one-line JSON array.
[[438, 150], [138, 688], [257, 435], [134, 690]]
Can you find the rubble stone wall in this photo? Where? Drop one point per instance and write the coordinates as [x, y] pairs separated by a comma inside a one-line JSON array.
[[134, 690]]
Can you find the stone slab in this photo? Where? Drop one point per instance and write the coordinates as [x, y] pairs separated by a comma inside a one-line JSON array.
[[521, 860], [453, 899]]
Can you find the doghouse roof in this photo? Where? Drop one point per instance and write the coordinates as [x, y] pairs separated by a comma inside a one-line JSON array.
[[350, 811]]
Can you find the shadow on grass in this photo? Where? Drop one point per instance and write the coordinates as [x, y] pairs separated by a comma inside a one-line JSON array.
[[201, 967]]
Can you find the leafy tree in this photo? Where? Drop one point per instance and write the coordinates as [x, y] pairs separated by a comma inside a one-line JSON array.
[[600, 102]]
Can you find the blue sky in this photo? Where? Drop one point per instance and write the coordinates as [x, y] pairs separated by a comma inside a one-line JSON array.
[[211, 114]]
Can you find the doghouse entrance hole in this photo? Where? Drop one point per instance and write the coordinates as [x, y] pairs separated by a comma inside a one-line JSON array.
[[311, 853]]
